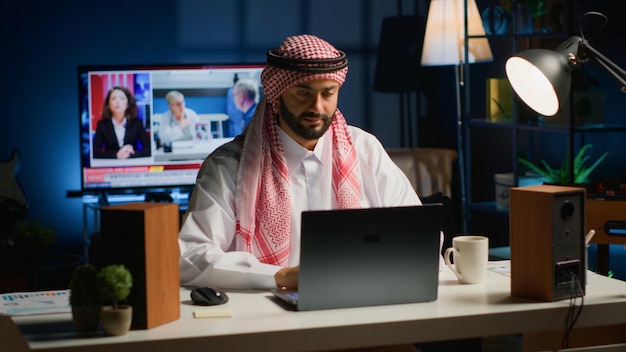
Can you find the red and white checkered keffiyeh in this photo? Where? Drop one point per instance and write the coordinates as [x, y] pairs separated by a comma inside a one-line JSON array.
[[263, 203]]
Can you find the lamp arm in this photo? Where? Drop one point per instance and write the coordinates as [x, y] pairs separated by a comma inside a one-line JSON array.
[[609, 66]]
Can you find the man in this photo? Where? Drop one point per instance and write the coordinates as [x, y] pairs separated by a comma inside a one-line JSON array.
[[179, 122], [242, 227], [245, 97], [235, 116]]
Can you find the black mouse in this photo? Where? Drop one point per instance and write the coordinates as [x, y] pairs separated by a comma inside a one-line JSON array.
[[208, 296]]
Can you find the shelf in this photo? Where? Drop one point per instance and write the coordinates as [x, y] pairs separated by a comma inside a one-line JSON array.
[[600, 127], [493, 145], [508, 124], [534, 35], [482, 122]]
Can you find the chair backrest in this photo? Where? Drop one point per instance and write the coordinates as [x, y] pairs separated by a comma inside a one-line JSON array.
[[428, 169]]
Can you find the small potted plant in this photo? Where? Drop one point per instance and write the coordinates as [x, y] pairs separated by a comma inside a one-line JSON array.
[[560, 176], [33, 239], [85, 298], [115, 282]]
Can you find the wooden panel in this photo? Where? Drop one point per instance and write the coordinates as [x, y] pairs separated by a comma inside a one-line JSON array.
[[529, 278], [598, 212], [162, 274]]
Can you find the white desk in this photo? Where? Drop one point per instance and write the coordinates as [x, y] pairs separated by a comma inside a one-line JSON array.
[[260, 324]]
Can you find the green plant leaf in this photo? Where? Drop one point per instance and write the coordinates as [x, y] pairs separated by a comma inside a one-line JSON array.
[[84, 286], [583, 175], [580, 159], [115, 282], [561, 175], [31, 233], [555, 175], [536, 169]]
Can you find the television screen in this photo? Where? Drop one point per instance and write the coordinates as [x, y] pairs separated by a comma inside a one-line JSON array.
[[146, 127]]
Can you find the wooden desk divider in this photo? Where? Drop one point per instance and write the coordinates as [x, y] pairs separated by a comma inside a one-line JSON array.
[[608, 219], [144, 238]]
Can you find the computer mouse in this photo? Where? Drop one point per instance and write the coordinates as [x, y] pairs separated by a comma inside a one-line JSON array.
[[208, 296]]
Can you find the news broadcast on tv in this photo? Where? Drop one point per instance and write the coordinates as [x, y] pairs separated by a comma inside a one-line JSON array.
[[153, 126]]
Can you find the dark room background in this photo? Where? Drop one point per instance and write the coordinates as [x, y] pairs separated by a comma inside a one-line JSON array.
[[43, 43]]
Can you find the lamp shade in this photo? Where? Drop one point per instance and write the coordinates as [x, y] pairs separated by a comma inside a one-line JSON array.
[[444, 39], [542, 78]]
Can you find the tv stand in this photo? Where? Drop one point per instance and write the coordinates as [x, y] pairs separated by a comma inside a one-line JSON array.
[[159, 197], [103, 199]]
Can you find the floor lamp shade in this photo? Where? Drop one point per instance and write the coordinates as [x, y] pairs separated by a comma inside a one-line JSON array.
[[444, 41], [399, 52]]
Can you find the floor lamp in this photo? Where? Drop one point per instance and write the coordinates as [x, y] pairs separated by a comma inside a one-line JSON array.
[[444, 44]]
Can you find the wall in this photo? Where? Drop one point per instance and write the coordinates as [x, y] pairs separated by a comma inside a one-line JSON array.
[[44, 42]]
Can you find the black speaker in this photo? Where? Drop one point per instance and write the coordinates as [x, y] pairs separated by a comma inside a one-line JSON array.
[[547, 239]]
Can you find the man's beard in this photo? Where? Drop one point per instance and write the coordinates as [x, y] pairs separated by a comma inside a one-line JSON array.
[[302, 131]]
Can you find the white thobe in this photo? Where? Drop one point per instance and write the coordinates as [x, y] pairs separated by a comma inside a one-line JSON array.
[[209, 256]]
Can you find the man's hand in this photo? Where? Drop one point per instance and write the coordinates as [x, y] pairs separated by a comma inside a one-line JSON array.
[[287, 277], [184, 122]]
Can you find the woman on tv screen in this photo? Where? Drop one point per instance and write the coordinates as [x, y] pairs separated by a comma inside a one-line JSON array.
[[120, 134]]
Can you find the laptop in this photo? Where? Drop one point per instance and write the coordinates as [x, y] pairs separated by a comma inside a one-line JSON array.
[[367, 257]]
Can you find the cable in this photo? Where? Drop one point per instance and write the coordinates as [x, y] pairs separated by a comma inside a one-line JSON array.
[[580, 22], [573, 314]]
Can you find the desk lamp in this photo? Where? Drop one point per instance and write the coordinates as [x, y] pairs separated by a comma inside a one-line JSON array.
[[541, 78], [448, 25]]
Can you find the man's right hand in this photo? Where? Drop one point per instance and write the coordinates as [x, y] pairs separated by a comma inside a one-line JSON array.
[[184, 122], [287, 277]]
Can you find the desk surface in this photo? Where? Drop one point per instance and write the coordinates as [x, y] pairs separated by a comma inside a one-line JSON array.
[[259, 322]]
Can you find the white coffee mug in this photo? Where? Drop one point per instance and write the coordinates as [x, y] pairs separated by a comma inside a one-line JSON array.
[[470, 255]]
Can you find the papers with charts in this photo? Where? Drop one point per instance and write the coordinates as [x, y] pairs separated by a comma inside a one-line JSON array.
[[38, 302], [501, 267]]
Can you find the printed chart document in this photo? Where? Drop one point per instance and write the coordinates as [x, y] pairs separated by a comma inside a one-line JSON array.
[[38, 302], [502, 267]]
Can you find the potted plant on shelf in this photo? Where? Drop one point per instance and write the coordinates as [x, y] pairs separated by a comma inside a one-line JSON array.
[[85, 298], [33, 240], [115, 282], [561, 175]]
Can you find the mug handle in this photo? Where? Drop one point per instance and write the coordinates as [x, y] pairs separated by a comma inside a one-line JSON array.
[[446, 258]]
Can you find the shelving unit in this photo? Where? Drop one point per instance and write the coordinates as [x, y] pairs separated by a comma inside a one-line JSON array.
[[494, 146]]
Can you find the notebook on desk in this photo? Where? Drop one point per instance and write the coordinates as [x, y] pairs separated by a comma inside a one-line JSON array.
[[367, 257]]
